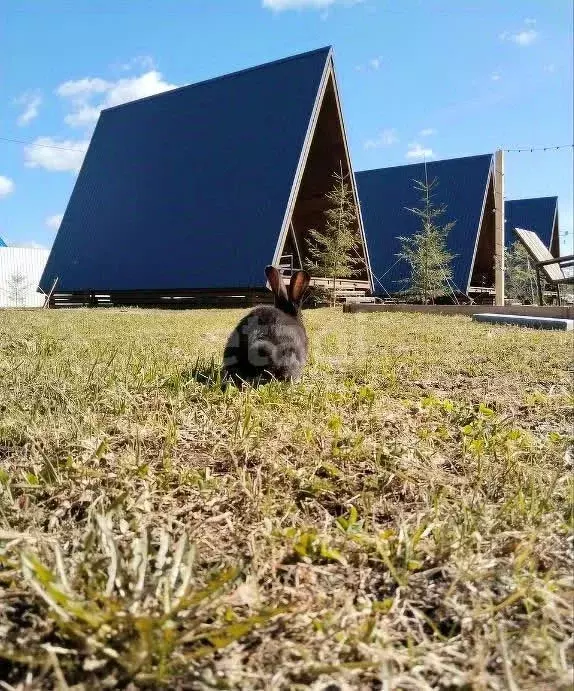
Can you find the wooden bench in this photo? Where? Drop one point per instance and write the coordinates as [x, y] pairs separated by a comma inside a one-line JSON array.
[[545, 263]]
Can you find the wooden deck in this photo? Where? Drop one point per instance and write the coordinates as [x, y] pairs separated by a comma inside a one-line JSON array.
[[341, 284], [189, 299], [163, 299]]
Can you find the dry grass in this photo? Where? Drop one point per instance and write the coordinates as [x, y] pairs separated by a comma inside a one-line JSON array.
[[402, 519]]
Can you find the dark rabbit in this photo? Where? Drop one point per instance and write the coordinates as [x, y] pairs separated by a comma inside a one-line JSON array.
[[270, 342]]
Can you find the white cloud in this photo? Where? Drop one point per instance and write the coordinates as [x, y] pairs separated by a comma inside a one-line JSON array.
[[53, 222], [387, 137], [86, 98], [89, 96], [83, 87], [530, 21], [6, 186], [283, 5], [31, 101], [525, 37], [495, 77], [125, 90], [373, 64], [84, 116], [417, 151], [56, 154], [427, 132]]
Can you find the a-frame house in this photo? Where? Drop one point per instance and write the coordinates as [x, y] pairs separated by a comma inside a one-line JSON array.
[[539, 214], [465, 186], [186, 196]]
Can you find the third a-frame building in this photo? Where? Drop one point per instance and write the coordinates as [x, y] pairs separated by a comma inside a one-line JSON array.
[[193, 191]]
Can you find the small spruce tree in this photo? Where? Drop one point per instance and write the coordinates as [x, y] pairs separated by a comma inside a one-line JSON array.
[[17, 287], [334, 251], [426, 251], [519, 276]]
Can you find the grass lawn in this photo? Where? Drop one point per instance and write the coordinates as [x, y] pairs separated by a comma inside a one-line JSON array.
[[401, 519]]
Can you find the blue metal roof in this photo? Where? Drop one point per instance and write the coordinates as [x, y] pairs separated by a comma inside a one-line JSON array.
[[188, 189], [538, 214], [2, 243], [386, 193]]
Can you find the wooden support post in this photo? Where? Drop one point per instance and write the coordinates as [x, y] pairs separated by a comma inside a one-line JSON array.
[[499, 227]]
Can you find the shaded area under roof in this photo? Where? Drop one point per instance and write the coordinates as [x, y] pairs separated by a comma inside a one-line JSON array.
[[2, 243], [188, 189], [539, 214], [386, 194]]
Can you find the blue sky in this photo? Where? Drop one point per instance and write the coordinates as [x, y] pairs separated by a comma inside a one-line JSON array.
[[417, 77]]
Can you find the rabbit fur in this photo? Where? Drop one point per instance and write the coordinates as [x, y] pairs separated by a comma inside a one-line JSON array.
[[270, 342]]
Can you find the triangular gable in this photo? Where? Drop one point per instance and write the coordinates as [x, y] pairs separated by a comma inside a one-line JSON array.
[[539, 214], [189, 189], [387, 193], [2, 243], [324, 152], [482, 269]]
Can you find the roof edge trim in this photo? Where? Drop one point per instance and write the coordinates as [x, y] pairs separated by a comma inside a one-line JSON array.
[[438, 160], [532, 199]]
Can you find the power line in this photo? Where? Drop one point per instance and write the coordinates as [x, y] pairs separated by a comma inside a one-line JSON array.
[[82, 151], [541, 148], [63, 148], [42, 146]]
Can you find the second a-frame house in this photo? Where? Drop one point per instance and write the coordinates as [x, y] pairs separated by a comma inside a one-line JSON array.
[[464, 187], [193, 191]]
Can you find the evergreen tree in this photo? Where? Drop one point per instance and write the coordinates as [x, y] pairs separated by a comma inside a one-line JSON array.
[[519, 276], [426, 250], [334, 251], [17, 287]]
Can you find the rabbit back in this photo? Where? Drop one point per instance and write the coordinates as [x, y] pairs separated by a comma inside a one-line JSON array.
[[267, 343]]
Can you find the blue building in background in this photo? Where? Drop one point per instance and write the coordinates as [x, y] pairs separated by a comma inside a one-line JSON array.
[[539, 214], [464, 185]]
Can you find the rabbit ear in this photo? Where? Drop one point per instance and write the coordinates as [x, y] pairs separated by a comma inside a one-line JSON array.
[[276, 282], [298, 285]]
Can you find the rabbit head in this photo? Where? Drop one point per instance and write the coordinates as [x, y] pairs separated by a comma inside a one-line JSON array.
[[289, 299]]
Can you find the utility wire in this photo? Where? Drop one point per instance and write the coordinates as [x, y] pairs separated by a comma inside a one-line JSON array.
[[541, 148], [42, 146], [63, 148]]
